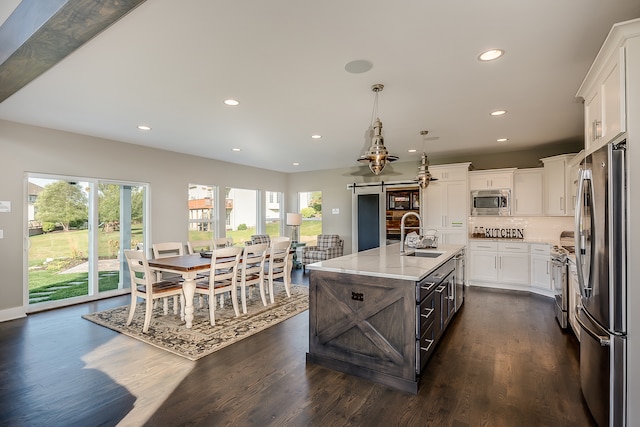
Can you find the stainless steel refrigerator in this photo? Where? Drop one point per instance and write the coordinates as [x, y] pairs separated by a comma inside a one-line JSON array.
[[601, 256]]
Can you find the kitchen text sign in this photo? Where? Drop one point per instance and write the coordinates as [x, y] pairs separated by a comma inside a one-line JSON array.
[[504, 233]]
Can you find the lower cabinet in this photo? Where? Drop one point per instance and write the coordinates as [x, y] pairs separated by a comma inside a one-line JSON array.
[[499, 262], [510, 265], [541, 266]]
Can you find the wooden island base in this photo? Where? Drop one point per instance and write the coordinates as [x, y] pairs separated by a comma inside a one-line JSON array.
[[358, 325], [379, 328]]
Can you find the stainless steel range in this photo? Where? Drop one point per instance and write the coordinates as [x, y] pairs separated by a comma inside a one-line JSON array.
[[559, 276]]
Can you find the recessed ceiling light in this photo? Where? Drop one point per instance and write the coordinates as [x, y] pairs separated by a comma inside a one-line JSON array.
[[502, 140], [144, 127], [491, 54], [316, 136], [231, 102], [235, 149], [295, 164], [499, 112], [412, 150]]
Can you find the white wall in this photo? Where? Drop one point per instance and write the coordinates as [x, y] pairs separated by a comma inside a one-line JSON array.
[[31, 149]]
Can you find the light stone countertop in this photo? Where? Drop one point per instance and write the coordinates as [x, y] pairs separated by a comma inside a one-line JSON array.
[[525, 240], [386, 261]]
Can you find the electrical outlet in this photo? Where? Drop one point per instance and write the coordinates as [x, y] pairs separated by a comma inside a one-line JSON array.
[[1, 234]]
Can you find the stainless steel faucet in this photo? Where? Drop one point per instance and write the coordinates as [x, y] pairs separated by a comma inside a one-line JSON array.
[[402, 228]]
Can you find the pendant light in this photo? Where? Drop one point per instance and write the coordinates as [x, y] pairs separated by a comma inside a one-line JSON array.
[[424, 176], [377, 155]]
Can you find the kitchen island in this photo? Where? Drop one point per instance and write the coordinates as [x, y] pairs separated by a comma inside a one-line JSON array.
[[378, 314]]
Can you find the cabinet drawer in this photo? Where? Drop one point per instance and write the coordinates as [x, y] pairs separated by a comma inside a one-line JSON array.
[[483, 246], [513, 247], [425, 287], [426, 314], [425, 347], [540, 249]]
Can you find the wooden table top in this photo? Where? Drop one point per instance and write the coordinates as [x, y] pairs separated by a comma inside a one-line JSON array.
[[181, 263], [193, 262]]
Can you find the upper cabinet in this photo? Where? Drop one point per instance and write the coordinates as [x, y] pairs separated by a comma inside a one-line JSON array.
[[604, 89], [528, 187], [491, 179], [558, 191], [604, 111], [446, 206]]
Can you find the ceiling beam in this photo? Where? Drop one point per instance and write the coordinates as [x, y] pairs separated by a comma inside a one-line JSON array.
[[38, 34]]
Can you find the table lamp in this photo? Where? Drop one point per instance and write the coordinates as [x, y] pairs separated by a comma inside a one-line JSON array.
[[294, 220]]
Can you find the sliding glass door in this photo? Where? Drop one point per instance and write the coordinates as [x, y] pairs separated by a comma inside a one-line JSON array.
[[77, 231]]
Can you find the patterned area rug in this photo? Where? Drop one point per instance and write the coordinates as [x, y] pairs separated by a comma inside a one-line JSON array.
[[168, 332]]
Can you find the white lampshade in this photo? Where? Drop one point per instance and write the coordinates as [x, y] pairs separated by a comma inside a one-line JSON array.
[[294, 218]]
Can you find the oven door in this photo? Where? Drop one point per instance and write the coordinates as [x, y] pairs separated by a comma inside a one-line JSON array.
[[560, 285]]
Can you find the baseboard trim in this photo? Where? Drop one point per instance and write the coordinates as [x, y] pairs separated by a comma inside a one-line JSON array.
[[12, 313]]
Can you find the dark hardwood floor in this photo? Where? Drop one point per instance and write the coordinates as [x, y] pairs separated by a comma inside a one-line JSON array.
[[504, 361]]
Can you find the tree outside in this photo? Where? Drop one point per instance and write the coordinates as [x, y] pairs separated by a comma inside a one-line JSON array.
[[61, 203]]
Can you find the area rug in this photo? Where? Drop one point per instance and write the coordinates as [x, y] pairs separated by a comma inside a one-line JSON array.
[[169, 333]]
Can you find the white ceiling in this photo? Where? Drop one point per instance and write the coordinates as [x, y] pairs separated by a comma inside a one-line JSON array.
[[171, 64]]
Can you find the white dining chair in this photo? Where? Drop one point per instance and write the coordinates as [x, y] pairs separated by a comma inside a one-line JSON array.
[[197, 246], [144, 285], [163, 250], [279, 266], [251, 272], [222, 279]]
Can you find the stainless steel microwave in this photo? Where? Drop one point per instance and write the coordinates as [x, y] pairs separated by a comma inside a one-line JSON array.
[[491, 202]]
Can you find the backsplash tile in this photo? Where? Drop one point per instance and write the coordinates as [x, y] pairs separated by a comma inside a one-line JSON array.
[[536, 228]]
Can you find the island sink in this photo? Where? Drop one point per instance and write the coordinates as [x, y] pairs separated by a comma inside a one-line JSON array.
[[425, 254]]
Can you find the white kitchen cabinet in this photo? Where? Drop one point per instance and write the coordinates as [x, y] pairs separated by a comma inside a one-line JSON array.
[[557, 185], [604, 102], [453, 237], [527, 192], [513, 263], [446, 203], [491, 179], [450, 172], [499, 263], [541, 266], [483, 261]]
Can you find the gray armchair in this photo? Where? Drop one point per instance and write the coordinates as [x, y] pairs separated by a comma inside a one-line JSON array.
[[328, 246]]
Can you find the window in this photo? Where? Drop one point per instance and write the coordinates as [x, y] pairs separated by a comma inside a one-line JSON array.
[[310, 204], [202, 218], [78, 229], [242, 213], [273, 213]]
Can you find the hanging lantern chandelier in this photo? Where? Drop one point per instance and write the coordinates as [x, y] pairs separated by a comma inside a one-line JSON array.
[[424, 176], [377, 155]]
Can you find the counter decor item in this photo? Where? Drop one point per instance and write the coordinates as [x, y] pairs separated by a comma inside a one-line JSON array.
[[416, 241]]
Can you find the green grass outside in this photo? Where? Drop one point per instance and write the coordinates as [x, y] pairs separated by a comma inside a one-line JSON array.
[[68, 249], [50, 286], [71, 247]]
